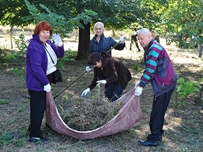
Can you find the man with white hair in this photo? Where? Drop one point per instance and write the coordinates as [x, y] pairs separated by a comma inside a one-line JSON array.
[[100, 43], [160, 73]]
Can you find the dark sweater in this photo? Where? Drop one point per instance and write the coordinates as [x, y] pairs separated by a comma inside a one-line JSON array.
[[112, 70]]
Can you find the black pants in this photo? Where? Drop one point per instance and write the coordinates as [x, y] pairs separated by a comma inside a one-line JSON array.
[[37, 108], [159, 108]]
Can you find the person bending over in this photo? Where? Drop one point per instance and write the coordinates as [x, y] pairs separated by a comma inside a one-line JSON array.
[[160, 73], [109, 71]]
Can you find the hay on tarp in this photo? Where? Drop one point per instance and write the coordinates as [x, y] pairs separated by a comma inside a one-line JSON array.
[[89, 114], [128, 115]]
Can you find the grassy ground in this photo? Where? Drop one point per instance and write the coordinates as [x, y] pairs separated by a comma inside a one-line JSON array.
[[183, 124]]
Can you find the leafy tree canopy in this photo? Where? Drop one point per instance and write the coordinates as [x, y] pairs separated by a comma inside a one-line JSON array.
[[12, 11], [115, 14], [184, 18], [59, 23]]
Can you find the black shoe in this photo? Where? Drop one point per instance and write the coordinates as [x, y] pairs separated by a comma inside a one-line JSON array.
[[160, 137], [38, 139], [154, 137], [148, 142]]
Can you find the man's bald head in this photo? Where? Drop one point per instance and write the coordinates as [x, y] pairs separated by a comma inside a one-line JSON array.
[[144, 37], [145, 31]]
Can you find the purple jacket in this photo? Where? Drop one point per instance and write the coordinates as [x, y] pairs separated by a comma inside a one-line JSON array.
[[36, 63]]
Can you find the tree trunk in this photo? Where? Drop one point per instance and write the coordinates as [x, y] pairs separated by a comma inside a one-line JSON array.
[[11, 36], [76, 34], [84, 39], [113, 33], [200, 50]]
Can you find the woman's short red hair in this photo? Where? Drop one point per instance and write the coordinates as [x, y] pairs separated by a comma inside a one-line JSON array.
[[43, 25]]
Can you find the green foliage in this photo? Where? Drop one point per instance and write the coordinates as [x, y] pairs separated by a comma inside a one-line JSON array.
[[64, 16], [9, 56], [200, 80], [151, 12], [21, 45], [60, 23], [86, 16], [5, 55], [187, 87], [57, 21], [124, 12], [91, 112], [11, 11], [21, 108], [4, 101], [183, 20], [181, 104], [19, 55], [137, 68], [26, 100], [144, 110], [69, 56], [19, 72], [18, 139], [5, 138], [98, 94], [67, 14], [138, 65]]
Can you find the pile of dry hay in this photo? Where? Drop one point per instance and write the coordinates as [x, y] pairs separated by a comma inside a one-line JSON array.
[[90, 113]]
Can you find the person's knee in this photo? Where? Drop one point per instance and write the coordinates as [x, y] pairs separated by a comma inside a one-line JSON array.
[[108, 95]]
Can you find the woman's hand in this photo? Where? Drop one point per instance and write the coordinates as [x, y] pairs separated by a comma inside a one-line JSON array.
[[57, 40]]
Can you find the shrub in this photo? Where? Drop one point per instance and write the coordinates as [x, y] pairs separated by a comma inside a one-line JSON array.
[[21, 45], [187, 87], [5, 55]]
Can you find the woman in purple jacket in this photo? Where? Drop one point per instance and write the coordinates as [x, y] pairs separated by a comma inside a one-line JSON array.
[[41, 60]]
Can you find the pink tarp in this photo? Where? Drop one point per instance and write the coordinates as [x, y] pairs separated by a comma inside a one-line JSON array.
[[128, 115]]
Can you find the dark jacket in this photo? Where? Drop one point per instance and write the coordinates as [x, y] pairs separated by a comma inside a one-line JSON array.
[[103, 45], [112, 70]]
